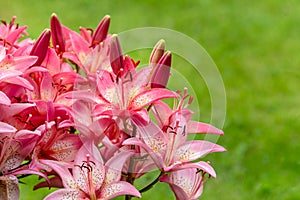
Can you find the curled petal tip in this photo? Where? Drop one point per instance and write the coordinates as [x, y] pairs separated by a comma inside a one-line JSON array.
[[157, 52]]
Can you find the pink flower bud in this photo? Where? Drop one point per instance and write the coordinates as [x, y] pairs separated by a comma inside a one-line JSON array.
[[116, 55], [161, 72], [157, 52], [57, 34], [101, 31], [40, 47]]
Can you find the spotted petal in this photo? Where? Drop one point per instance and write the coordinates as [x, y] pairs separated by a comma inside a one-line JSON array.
[[195, 149], [118, 189], [64, 194], [95, 165], [178, 191], [149, 96]]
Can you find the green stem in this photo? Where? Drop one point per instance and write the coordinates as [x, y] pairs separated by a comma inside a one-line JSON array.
[[130, 178], [148, 187]]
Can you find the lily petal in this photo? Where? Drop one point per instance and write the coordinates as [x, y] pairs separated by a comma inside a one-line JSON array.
[[6, 128], [96, 163], [149, 96], [199, 127], [4, 99], [195, 149], [63, 194], [118, 189], [114, 166], [178, 191]]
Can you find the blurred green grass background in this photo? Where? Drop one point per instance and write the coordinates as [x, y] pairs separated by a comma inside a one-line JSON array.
[[255, 45]]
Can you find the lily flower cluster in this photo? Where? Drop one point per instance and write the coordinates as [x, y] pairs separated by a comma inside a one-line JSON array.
[[82, 116]]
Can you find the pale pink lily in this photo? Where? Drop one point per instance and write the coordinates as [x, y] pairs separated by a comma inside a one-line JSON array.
[[187, 184], [92, 179], [90, 127], [167, 143], [170, 151], [56, 143], [15, 146]]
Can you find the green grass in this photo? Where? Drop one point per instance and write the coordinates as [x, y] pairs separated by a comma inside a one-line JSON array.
[[255, 45]]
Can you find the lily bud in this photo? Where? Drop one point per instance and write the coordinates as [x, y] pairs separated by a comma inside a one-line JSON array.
[[101, 31], [161, 72], [157, 52], [57, 34], [40, 47], [116, 55]]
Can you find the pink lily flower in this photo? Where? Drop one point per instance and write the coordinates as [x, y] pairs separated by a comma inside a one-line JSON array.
[[186, 184], [87, 58], [90, 127], [12, 67], [128, 98], [15, 114], [168, 145], [10, 33], [88, 50], [56, 143], [170, 151], [92, 179], [164, 115], [15, 146]]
